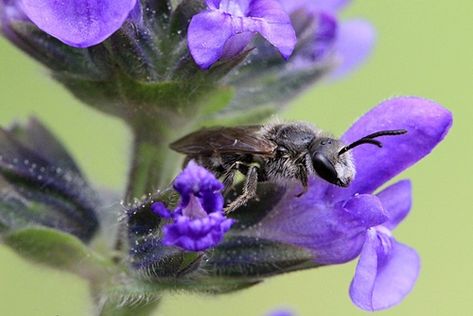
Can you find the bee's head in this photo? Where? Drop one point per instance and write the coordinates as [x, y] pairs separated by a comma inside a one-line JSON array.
[[328, 164], [332, 160]]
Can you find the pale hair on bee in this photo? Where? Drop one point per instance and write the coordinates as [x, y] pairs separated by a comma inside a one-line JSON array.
[[280, 152]]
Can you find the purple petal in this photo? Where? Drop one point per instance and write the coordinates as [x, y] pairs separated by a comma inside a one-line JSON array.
[[427, 124], [237, 8], [196, 234], [78, 23], [396, 200], [212, 202], [193, 209], [292, 5], [236, 44], [196, 180], [270, 20], [207, 34], [136, 14], [9, 12], [325, 35], [282, 312], [334, 233], [213, 4], [330, 5], [160, 210], [355, 42], [383, 281]]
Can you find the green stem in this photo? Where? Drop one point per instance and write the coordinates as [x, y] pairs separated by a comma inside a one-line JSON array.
[[153, 167]]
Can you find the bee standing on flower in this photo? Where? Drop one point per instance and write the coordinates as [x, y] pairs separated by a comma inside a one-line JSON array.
[[277, 153]]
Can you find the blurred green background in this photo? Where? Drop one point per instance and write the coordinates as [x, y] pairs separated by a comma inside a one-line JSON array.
[[425, 48]]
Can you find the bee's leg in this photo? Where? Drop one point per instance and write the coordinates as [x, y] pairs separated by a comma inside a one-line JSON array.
[[305, 171], [228, 177], [227, 180], [305, 185], [249, 190]]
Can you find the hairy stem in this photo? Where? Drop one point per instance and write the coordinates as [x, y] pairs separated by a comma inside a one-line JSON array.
[[153, 166], [112, 308]]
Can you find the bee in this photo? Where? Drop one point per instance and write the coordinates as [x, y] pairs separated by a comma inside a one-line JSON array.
[[278, 153]]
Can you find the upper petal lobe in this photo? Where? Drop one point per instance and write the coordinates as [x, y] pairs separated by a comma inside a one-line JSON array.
[[427, 124], [208, 32], [274, 25], [78, 23]]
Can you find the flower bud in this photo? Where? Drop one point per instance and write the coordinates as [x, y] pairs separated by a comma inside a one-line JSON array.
[[42, 185]]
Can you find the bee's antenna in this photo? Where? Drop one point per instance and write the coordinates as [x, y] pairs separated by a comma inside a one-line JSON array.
[[369, 139]]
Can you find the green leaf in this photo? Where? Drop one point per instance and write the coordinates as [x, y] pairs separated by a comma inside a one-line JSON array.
[[57, 250]]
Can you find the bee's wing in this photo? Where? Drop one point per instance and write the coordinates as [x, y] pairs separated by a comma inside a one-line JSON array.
[[242, 139]]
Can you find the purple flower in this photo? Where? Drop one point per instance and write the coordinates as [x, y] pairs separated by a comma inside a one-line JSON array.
[[281, 312], [78, 23], [338, 224], [198, 220], [349, 43], [228, 26]]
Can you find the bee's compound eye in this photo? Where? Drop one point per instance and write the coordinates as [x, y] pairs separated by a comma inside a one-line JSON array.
[[324, 168]]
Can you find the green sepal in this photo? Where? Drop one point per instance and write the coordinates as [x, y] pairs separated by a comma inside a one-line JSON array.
[[142, 291], [150, 259], [60, 58], [40, 184], [273, 85], [131, 306], [253, 258], [57, 250]]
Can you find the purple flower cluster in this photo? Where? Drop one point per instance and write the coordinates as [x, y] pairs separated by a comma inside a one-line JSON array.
[[339, 224], [221, 31], [198, 222], [226, 28]]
